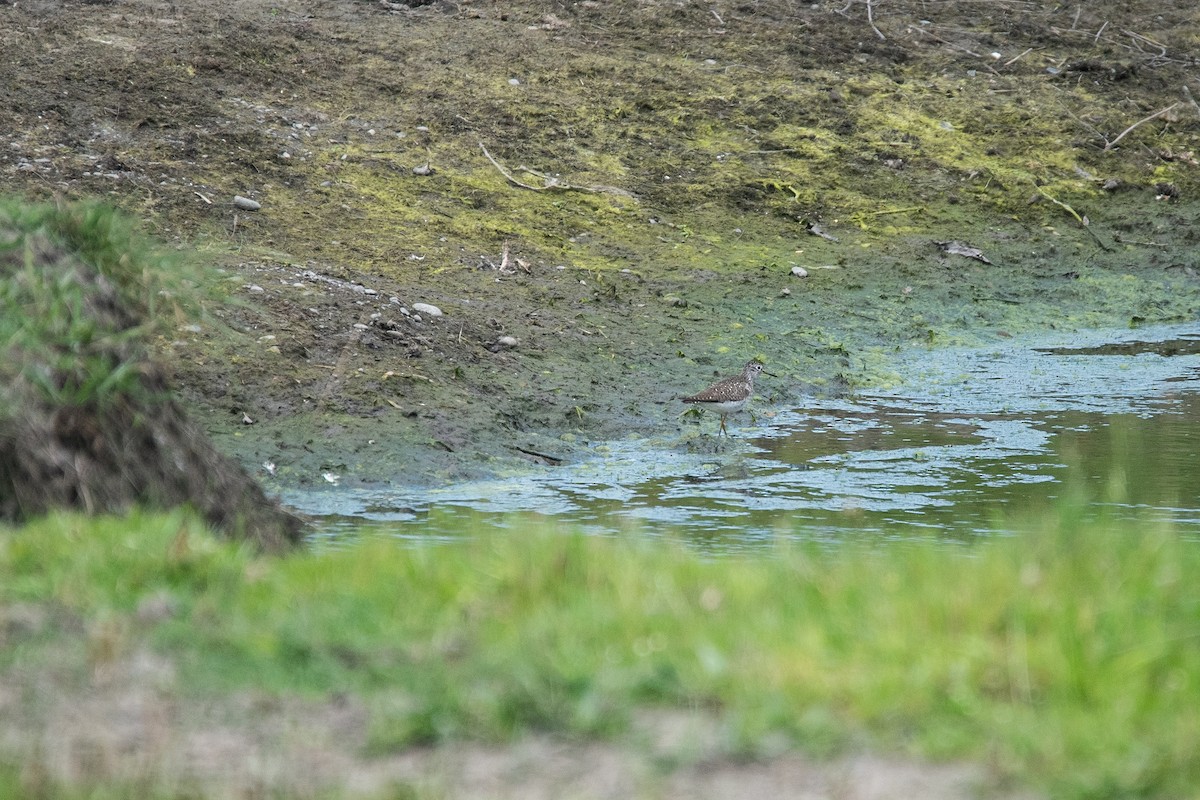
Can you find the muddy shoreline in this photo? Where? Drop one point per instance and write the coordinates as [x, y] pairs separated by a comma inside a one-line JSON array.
[[605, 202]]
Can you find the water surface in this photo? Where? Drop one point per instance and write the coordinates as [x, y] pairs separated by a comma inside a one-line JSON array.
[[972, 437]]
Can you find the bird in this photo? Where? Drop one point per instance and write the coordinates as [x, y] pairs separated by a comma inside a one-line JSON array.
[[728, 395]]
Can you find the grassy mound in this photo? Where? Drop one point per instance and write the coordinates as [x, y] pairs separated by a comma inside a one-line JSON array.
[[87, 420]]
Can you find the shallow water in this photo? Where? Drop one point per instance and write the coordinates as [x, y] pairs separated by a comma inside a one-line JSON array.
[[973, 436]]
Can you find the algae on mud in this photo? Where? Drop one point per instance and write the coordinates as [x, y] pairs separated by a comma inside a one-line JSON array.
[[725, 133]]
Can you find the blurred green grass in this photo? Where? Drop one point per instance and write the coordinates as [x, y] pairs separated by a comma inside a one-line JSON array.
[[1067, 657]]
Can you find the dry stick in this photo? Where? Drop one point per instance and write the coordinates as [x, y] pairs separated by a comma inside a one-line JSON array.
[[870, 15], [896, 211], [1081, 220], [1155, 115], [1143, 244], [1135, 36], [946, 42], [551, 181], [508, 174], [871, 21], [1017, 58]]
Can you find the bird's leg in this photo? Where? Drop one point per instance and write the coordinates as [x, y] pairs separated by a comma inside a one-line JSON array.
[[722, 427]]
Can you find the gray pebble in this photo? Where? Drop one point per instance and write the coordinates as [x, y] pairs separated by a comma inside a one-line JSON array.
[[425, 308], [245, 203]]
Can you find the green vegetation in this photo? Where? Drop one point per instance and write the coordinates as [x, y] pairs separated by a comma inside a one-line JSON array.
[[1067, 657], [79, 291]]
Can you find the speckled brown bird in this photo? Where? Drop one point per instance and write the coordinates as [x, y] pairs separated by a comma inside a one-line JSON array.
[[729, 395]]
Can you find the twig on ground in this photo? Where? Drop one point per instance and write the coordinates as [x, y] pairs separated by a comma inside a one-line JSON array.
[[1087, 225], [871, 21], [870, 15], [508, 174], [552, 182], [1137, 37], [413, 375], [886, 211], [946, 42], [1155, 115], [1017, 58], [1123, 240]]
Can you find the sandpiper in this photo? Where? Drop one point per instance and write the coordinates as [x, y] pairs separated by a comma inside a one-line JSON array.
[[729, 395]]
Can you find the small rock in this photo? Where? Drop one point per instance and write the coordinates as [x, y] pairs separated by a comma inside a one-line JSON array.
[[424, 169], [800, 272], [360, 326], [245, 203], [425, 308], [962, 249], [156, 608], [255, 288], [507, 341]]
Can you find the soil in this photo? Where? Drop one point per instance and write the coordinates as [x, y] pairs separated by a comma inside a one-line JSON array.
[[622, 189], [128, 723], [610, 203]]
